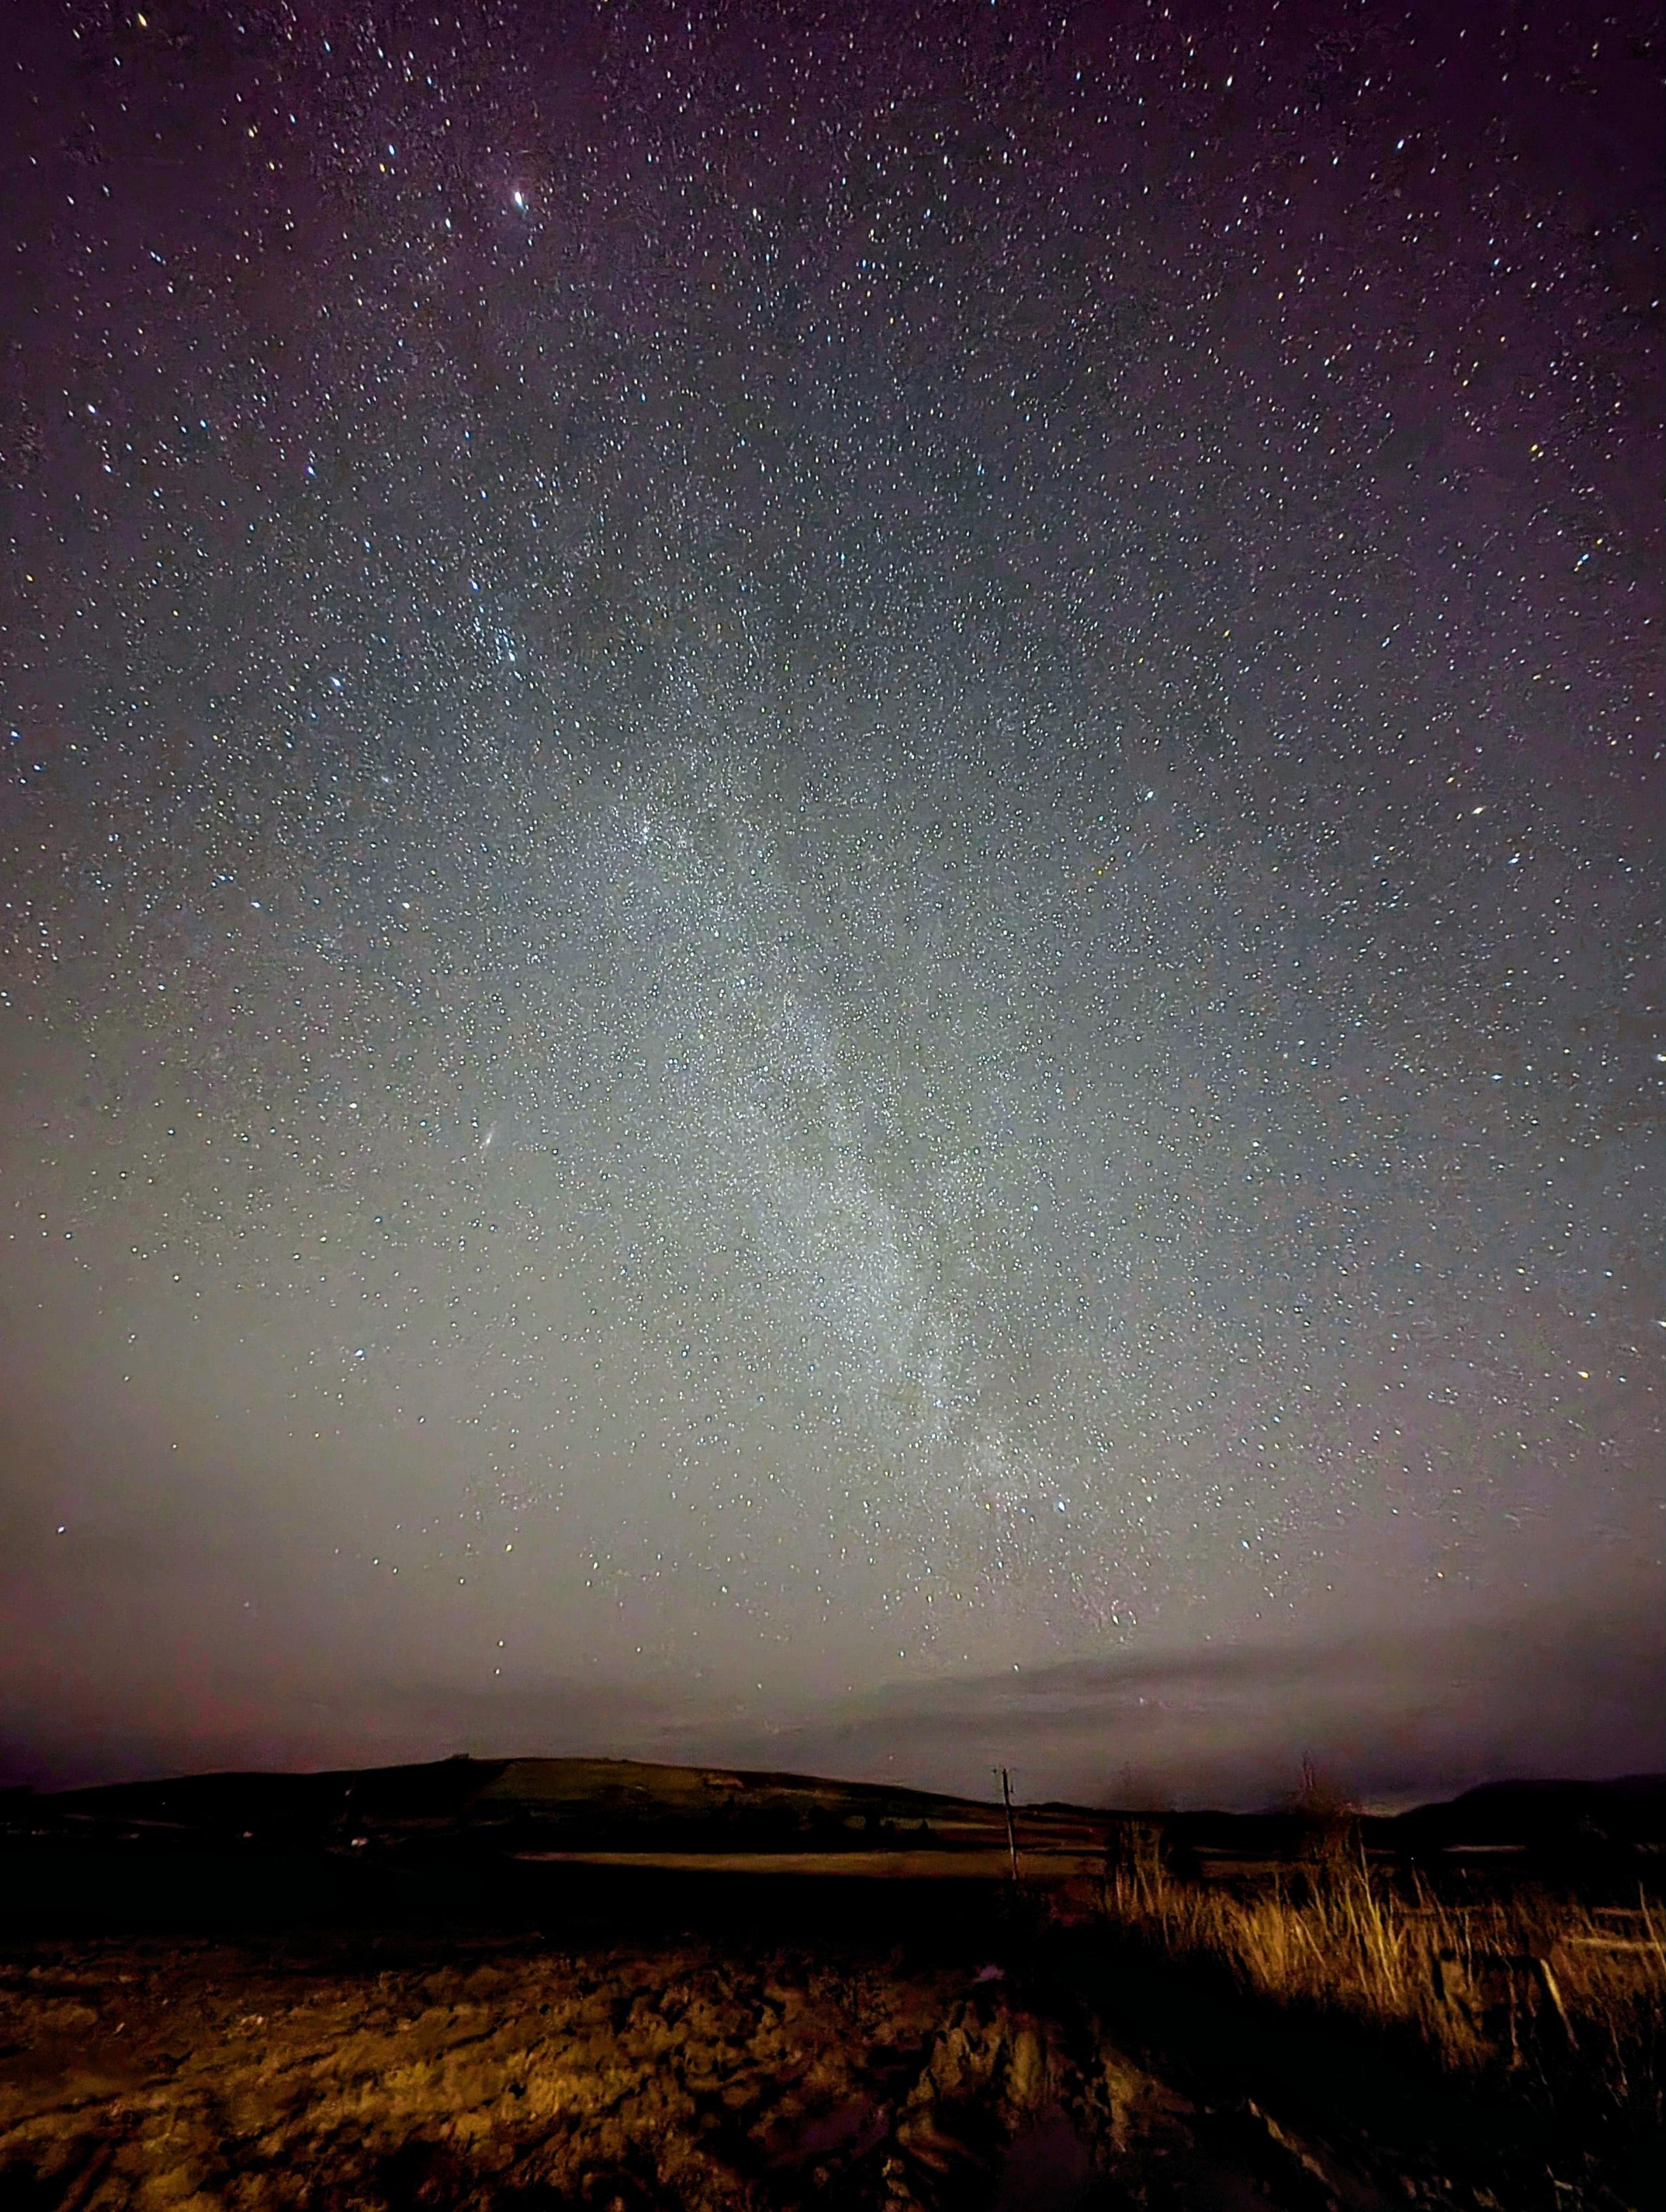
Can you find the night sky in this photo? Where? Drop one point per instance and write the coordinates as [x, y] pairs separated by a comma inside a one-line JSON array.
[[828, 891]]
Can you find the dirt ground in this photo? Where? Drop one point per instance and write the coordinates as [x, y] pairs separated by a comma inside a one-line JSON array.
[[907, 2053], [215, 2076]]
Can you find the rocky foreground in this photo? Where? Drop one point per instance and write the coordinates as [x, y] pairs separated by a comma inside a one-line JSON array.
[[541, 1986], [213, 2076], [513, 2074]]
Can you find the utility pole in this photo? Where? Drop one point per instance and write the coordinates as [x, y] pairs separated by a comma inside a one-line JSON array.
[[1012, 1828]]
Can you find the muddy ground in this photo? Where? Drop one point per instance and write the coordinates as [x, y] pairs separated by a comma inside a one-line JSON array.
[[713, 2043]]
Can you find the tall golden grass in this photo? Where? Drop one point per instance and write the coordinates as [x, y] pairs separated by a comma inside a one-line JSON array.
[[1525, 1982]]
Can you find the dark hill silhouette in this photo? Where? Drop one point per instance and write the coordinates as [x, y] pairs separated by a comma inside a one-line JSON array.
[[626, 1801], [1631, 1808], [613, 1801]]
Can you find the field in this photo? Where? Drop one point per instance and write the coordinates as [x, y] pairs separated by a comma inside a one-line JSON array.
[[532, 1986]]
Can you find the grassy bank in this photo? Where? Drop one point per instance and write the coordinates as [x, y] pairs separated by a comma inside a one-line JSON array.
[[1540, 1993]]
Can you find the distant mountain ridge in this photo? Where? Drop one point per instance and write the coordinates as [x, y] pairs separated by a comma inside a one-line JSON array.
[[613, 1802], [630, 1798], [1629, 1807]]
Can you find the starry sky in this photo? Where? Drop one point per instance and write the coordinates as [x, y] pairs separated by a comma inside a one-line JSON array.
[[827, 886]]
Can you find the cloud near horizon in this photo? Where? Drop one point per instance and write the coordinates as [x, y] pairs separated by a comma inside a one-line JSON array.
[[1391, 1715]]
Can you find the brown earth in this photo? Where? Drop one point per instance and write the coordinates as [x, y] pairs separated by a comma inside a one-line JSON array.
[[544, 1986], [533, 2079], [916, 2054]]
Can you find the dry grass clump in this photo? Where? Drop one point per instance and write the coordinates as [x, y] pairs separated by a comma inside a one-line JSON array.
[[1569, 1995]]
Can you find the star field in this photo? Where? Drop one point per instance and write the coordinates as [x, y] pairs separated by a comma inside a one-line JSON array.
[[827, 853]]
